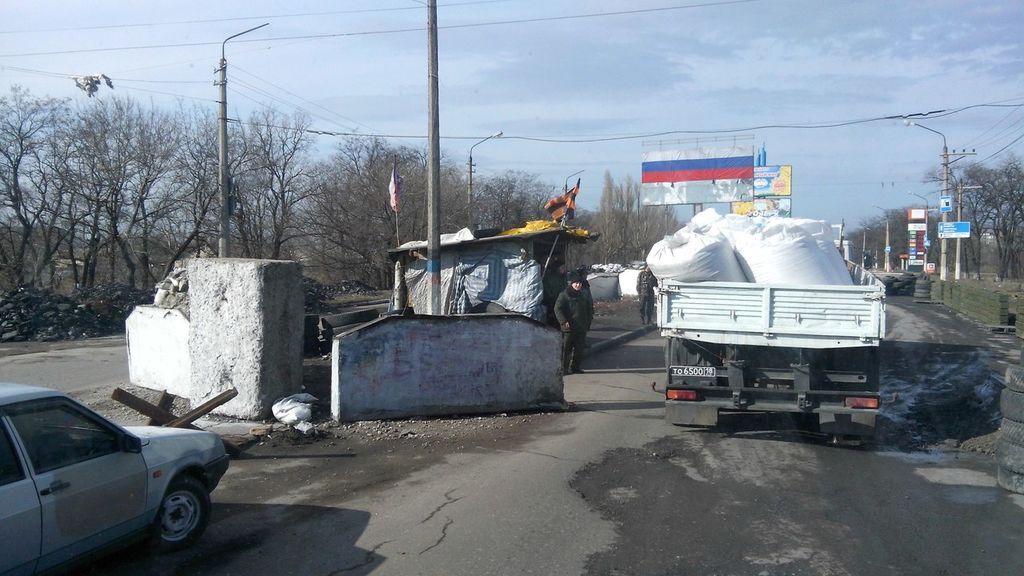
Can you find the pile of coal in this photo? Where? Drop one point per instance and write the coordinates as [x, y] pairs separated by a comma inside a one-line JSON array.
[[316, 294], [28, 313]]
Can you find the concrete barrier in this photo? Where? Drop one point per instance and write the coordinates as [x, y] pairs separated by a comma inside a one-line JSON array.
[[246, 332], [158, 356], [397, 367]]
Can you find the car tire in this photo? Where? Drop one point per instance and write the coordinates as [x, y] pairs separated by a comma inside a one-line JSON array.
[[1012, 431], [1011, 404], [1010, 456], [183, 515], [1012, 481], [1015, 378]]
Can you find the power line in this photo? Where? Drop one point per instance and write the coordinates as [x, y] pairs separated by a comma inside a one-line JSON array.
[[392, 31], [242, 18]]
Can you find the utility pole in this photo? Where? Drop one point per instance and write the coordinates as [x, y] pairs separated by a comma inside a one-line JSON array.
[[959, 218], [469, 192], [223, 244], [433, 166]]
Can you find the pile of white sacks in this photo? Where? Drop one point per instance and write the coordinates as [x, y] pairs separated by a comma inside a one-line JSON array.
[[734, 248]]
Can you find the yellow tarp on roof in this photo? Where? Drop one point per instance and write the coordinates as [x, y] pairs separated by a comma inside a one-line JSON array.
[[542, 225]]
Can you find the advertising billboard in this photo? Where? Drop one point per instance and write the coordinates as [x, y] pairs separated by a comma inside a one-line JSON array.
[[773, 181], [697, 176], [764, 207]]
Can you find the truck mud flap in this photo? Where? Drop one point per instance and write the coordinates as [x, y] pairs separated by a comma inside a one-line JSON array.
[[690, 414]]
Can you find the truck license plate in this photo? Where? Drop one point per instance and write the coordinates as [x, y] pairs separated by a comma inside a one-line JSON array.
[[700, 371]]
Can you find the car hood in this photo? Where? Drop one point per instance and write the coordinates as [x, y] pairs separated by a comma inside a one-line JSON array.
[[161, 445]]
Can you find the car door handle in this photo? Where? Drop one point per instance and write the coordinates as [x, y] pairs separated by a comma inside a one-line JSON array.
[[55, 486]]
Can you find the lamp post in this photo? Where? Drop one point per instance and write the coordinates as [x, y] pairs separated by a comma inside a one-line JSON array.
[[565, 188], [469, 192], [959, 218], [888, 248], [223, 245], [864, 249], [945, 192]]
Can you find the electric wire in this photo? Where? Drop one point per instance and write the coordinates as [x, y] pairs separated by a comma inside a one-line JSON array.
[[391, 31]]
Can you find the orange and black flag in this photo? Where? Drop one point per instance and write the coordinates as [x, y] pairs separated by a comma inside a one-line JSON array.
[[563, 208]]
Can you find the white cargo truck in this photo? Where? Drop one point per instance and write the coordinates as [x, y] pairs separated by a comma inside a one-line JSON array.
[[804, 349]]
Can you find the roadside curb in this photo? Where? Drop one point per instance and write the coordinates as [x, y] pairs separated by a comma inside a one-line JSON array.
[[621, 338]]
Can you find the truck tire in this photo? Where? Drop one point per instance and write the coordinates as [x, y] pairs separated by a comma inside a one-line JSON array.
[[1010, 456], [1015, 378], [1012, 431], [1012, 481], [1012, 404]]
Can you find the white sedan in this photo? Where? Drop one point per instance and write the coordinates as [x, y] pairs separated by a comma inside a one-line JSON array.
[[73, 484]]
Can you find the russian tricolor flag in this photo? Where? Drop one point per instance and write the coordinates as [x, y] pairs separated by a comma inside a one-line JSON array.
[[699, 164]]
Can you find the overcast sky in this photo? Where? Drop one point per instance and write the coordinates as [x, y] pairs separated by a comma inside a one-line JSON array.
[[759, 71]]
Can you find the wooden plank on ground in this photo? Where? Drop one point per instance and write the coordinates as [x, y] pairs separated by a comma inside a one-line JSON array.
[[164, 417]]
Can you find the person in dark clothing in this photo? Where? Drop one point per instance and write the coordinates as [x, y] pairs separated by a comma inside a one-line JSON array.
[[574, 311], [554, 284], [645, 285]]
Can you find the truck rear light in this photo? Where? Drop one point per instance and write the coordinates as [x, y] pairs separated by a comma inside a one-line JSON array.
[[689, 395], [862, 403]]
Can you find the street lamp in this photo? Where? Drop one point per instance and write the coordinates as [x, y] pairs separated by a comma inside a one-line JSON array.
[[864, 249], [223, 245], [888, 248], [945, 192], [565, 188], [469, 192]]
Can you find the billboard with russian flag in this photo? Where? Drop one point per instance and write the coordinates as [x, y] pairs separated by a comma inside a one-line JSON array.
[[697, 176]]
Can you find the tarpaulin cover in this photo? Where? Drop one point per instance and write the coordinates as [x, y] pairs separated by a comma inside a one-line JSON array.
[[500, 274], [604, 286]]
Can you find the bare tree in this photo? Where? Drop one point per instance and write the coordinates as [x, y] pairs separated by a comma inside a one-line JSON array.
[[26, 124], [274, 182]]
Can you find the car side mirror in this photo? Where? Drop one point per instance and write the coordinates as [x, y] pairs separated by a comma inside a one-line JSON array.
[[131, 444]]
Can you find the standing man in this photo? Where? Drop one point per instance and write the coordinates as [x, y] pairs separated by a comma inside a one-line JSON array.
[[574, 311], [645, 285]]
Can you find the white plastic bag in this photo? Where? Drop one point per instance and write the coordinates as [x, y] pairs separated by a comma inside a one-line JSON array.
[[294, 409]]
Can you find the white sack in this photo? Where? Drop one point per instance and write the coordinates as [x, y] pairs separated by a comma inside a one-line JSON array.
[[627, 282], [689, 257], [294, 409], [787, 256]]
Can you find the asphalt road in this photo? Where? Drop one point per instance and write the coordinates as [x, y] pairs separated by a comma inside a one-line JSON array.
[[608, 488]]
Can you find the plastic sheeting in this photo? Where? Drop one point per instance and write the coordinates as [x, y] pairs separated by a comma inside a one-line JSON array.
[[498, 274], [604, 286]]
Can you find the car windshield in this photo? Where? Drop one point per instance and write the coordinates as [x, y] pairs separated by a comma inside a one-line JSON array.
[[510, 287]]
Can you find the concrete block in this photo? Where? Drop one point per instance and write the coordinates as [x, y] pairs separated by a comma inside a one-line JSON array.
[[158, 356], [397, 367], [247, 323]]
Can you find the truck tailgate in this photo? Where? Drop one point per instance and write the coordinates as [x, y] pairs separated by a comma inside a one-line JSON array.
[[816, 316]]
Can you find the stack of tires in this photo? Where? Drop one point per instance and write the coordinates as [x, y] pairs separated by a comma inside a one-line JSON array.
[[1010, 450], [923, 288]]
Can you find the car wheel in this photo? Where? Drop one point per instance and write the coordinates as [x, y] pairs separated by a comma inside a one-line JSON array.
[[183, 515]]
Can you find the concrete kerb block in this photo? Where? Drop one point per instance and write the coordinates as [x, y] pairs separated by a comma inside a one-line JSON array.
[[158, 356], [246, 332], [397, 367]]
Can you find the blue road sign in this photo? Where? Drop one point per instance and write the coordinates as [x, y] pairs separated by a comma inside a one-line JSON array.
[[945, 204], [954, 229]]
